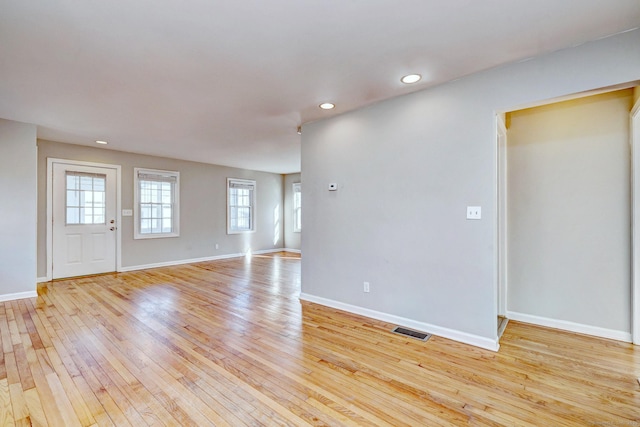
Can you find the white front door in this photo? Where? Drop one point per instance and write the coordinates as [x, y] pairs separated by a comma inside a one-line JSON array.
[[84, 220]]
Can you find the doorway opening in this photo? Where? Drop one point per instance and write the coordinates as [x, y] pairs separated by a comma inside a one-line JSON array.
[[565, 258]]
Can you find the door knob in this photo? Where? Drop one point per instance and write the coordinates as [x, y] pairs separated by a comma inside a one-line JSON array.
[[112, 221], [112, 228]]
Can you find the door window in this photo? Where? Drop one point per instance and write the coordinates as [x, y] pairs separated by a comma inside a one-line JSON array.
[[85, 194]]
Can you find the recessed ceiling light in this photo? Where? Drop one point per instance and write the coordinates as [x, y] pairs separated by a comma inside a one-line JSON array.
[[411, 78], [327, 106], [102, 142]]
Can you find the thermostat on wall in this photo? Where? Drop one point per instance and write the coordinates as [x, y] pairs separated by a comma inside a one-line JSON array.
[[333, 186]]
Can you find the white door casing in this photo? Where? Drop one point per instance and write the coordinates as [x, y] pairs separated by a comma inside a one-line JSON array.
[[83, 239], [501, 131], [635, 218]]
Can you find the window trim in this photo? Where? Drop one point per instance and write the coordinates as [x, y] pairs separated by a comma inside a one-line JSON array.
[[297, 188], [136, 199], [253, 205]]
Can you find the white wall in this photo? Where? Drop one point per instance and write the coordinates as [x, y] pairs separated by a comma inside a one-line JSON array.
[[407, 168], [203, 215], [18, 162], [291, 238], [569, 200]]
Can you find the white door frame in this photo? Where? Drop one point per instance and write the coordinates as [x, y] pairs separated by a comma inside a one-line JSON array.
[[501, 159], [500, 234], [634, 124], [49, 243]]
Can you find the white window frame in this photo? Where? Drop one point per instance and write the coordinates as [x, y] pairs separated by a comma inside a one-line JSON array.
[[252, 211], [297, 208], [162, 175]]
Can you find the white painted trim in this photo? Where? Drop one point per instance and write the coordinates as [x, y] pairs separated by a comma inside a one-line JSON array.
[[203, 259], [49, 221], [136, 204], [634, 128], [267, 251], [49, 236], [42, 280], [296, 251], [570, 326], [501, 216], [179, 262], [463, 337], [19, 295]]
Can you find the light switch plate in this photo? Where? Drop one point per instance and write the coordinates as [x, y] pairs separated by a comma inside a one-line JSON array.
[[127, 212], [474, 212]]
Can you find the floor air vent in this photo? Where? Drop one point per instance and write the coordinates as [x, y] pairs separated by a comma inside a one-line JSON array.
[[411, 333]]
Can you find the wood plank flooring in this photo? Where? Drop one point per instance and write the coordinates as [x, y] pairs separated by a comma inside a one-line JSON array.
[[228, 343]]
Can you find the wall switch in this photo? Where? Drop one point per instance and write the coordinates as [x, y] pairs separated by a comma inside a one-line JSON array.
[[333, 186], [366, 287], [127, 212], [217, 246], [474, 212]]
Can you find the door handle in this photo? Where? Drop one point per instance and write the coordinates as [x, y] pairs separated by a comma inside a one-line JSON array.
[[112, 221], [112, 228]]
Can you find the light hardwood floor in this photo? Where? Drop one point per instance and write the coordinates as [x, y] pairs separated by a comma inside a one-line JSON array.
[[229, 343]]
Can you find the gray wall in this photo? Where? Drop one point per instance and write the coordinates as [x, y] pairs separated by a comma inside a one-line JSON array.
[[569, 210], [18, 155], [407, 168], [291, 239], [203, 212]]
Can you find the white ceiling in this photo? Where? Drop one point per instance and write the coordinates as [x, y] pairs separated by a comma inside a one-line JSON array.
[[228, 82]]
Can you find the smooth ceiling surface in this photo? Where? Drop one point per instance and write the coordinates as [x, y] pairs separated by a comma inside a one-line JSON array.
[[228, 82]]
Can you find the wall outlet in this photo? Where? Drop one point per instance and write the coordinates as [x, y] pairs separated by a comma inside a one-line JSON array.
[[366, 287], [333, 187], [474, 212]]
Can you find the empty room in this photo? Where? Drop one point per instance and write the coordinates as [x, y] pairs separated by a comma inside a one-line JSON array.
[[327, 213]]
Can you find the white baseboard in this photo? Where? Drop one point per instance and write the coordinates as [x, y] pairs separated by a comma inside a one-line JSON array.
[[43, 279], [267, 251], [178, 262], [194, 260], [570, 326], [295, 251], [19, 295], [463, 337]]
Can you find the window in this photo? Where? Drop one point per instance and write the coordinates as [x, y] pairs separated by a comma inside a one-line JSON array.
[[157, 203], [241, 201], [85, 198], [297, 207]]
